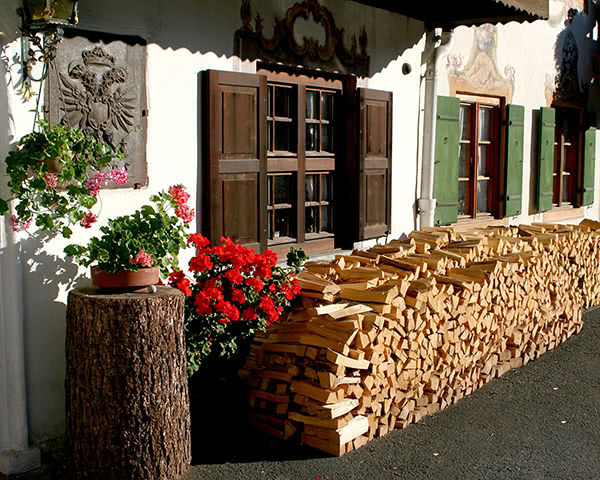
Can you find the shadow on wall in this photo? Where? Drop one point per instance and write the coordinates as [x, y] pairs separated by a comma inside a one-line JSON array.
[[44, 328], [575, 53], [207, 26]]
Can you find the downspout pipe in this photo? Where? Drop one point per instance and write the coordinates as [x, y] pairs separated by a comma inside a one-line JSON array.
[[435, 38]]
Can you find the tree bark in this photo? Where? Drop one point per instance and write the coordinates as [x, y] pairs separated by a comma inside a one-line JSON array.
[[127, 404]]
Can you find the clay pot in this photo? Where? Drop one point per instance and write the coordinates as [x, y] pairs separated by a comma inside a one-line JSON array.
[[126, 279]]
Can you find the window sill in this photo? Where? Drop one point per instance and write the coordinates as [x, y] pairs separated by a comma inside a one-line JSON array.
[[483, 221], [558, 214]]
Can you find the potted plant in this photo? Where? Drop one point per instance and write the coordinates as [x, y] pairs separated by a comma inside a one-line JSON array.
[[55, 175], [233, 293], [134, 249]]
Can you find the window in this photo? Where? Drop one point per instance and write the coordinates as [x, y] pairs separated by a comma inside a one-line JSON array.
[[318, 196], [566, 154], [478, 156], [272, 166], [300, 171], [280, 207]]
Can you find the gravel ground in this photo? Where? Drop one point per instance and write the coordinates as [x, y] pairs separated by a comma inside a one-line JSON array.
[[541, 421]]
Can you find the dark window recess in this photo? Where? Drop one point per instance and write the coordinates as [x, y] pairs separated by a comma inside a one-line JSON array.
[[477, 167], [280, 121], [319, 121], [318, 200], [566, 148], [281, 207]]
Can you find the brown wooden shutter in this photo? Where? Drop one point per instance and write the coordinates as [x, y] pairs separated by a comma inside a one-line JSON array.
[[375, 163], [235, 157]]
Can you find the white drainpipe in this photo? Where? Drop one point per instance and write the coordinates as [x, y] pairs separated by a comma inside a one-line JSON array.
[[435, 38]]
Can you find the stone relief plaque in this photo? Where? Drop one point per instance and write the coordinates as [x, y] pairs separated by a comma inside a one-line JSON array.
[[98, 83]]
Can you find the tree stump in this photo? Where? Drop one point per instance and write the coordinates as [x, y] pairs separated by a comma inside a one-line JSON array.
[[127, 404]]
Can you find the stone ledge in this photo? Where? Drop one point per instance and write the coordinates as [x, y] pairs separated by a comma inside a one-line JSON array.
[[19, 461]]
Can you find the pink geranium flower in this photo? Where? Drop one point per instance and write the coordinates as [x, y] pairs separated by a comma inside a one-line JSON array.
[[142, 258], [120, 175], [88, 219]]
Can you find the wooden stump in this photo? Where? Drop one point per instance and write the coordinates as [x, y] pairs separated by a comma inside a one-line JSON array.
[[127, 404]]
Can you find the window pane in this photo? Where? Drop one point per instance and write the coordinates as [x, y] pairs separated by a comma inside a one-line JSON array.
[[283, 223], [310, 187], [326, 188], [312, 220], [482, 164], [270, 101], [327, 106], [464, 122], [325, 219], [482, 196], [462, 198], [565, 192], [282, 188], [282, 136], [463, 162], [270, 135], [282, 102], [270, 190], [327, 138], [312, 137], [312, 105], [270, 224], [484, 123]]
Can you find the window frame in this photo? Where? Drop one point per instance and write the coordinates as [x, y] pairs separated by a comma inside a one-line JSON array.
[[567, 164], [301, 162], [494, 172]]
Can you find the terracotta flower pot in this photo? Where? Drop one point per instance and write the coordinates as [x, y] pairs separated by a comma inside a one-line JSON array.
[[144, 277]]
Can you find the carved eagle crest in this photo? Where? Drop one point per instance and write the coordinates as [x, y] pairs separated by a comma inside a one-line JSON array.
[[96, 98]]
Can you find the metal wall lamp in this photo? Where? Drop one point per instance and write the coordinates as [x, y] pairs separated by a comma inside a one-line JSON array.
[[42, 30]]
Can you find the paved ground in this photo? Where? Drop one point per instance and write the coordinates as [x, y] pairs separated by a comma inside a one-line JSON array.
[[541, 421]]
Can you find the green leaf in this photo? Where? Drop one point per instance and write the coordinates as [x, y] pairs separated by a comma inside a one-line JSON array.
[[67, 232], [3, 207]]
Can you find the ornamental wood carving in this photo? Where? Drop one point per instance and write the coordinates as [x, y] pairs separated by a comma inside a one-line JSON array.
[[97, 83], [250, 42]]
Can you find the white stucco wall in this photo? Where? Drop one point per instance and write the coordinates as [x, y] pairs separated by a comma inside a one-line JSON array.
[[533, 50], [184, 38]]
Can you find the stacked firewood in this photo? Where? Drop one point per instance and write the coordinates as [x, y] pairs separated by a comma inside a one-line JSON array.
[[386, 336]]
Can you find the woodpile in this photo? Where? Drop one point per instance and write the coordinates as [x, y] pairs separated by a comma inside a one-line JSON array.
[[386, 336]]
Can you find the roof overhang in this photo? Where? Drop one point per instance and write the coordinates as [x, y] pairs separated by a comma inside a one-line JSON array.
[[453, 13]]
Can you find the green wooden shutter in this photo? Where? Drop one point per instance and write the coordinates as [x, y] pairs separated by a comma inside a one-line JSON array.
[[445, 178], [515, 131], [545, 180], [589, 159]]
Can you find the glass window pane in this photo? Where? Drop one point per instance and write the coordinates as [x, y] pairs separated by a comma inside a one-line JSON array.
[[482, 164], [327, 106], [311, 220], [482, 196], [312, 137], [462, 198], [327, 138], [310, 188], [270, 135], [484, 123], [312, 105], [325, 219], [282, 102], [464, 122], [326, 188], [270, 224], [463, 161], [282, 136], [565, 192], [283, 223], [270, 190], [270, 101], [283, 189]]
